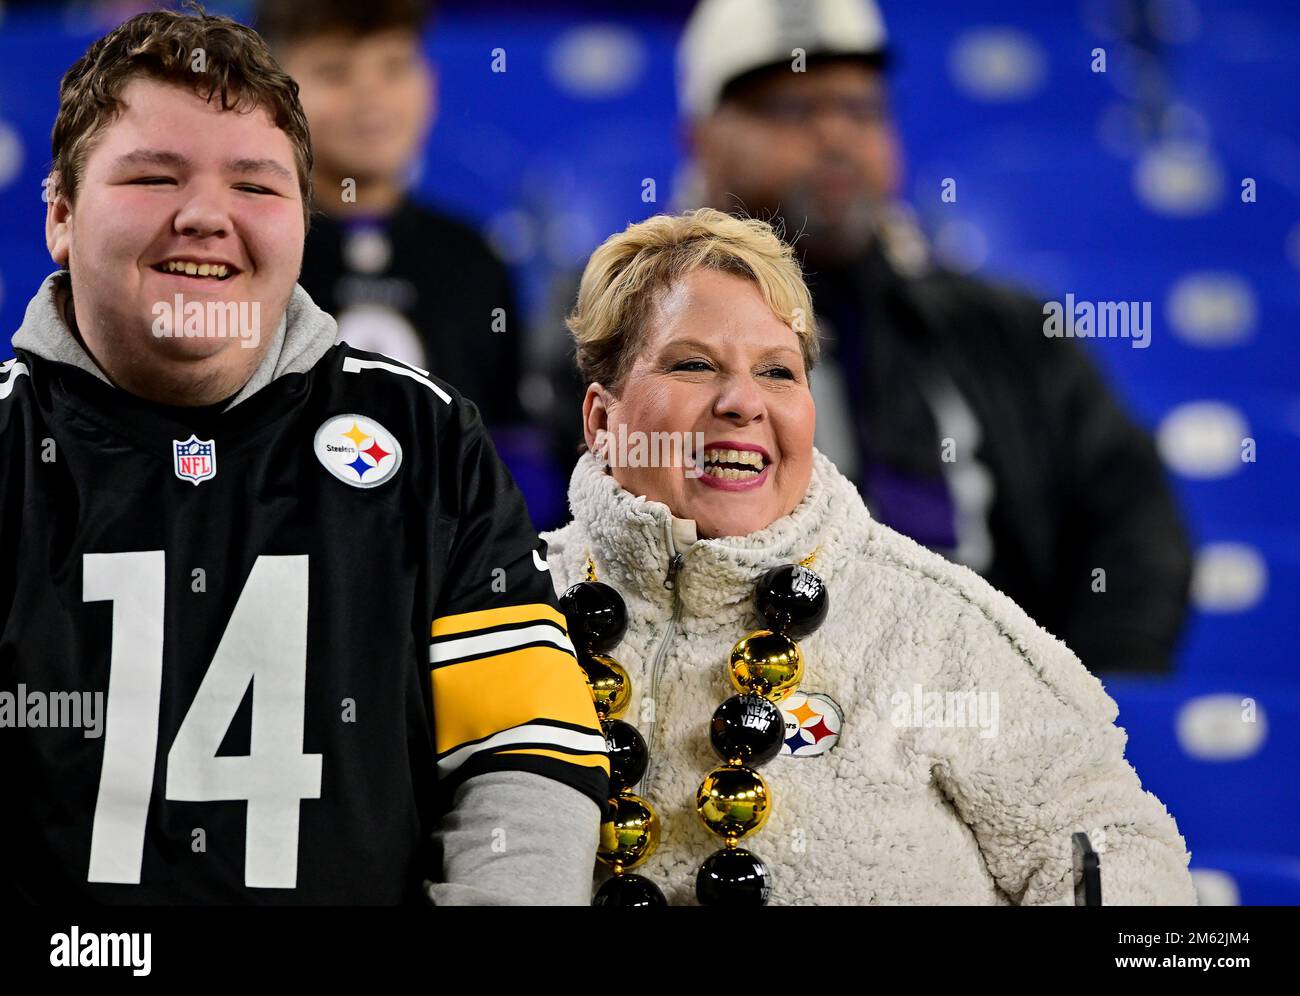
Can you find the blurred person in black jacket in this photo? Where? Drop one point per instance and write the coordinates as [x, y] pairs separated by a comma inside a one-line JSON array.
[[399, 277], [962, 425]]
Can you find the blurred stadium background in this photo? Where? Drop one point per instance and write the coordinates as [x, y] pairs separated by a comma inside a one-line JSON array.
[[1125, 185]]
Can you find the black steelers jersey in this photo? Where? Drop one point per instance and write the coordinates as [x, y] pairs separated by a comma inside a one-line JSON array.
[[247, 656]]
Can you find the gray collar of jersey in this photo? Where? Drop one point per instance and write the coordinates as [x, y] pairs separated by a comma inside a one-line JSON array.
[[303, 336]]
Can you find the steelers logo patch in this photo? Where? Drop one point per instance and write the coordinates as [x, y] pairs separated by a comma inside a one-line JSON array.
[[812, 724], [358, 450]]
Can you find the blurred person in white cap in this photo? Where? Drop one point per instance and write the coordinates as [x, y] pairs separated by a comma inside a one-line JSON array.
[[734, 59], [964, 427]]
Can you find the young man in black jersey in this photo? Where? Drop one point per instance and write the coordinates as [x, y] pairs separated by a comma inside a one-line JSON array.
[[291, 580]]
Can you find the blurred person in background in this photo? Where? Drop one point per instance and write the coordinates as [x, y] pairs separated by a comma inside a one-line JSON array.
[[963, 426], [400, 277], [1047, 480]]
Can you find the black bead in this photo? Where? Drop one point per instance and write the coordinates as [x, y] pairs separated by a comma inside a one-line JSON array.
[[748, 728], [597, 616], [628, 754], [733, 877], [792, 599], [629, 890]]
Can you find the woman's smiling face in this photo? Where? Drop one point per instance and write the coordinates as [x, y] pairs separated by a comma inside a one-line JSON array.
[[718, 362]]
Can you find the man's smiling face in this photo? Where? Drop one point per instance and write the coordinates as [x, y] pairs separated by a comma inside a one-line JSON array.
[[174, 180]]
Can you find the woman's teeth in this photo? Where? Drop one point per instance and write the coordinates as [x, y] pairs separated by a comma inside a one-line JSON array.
[[731, 473], [218, 270], [733, 465]]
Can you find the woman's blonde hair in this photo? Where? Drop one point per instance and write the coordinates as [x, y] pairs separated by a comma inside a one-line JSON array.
[[625, 275]]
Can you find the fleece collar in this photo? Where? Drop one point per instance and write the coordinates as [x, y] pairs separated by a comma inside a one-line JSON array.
[[632, 540], [304, 335]]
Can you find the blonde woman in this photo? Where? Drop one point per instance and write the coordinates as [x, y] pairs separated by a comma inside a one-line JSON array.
[[938, 746]]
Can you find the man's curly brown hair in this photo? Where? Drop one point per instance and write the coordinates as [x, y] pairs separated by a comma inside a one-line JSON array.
[[237, 67]]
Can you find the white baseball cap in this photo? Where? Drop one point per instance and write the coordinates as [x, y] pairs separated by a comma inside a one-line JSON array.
[[725, 39]]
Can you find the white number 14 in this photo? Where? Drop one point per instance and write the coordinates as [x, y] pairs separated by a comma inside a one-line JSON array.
[[266, 640]]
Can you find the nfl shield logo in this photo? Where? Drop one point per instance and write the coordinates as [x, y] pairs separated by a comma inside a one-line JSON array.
[[195, 459]]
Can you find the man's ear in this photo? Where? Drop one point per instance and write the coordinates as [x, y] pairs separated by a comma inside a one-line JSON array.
[[595, 418], [58, 221], [703, 137], [688, 134], [706, 140]]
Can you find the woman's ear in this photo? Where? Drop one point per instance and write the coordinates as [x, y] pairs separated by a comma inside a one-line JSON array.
[[595, 419], [58, 221]]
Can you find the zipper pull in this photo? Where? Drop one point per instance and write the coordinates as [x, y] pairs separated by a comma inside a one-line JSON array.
[[674, 565]]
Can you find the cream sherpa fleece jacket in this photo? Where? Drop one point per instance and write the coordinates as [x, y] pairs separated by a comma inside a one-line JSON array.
[[898, 811]]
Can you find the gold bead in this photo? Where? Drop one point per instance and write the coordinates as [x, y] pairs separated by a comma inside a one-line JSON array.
[[608, 833], [768, 664], [611, 688], [632, 836], [733, 802]]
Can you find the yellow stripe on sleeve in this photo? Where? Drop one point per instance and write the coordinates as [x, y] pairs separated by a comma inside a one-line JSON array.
[[477, 698]]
